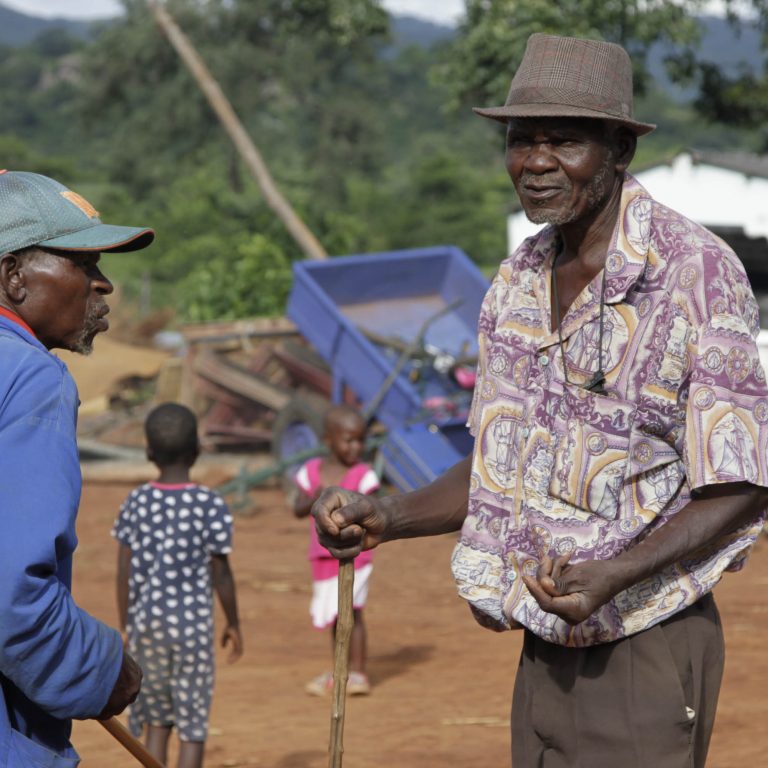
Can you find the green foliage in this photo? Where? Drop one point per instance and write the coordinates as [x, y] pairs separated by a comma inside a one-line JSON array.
[[336, 121], [37, 98], [374, 145], [254, 280], [492, 38], [17, 154], [741, 100]]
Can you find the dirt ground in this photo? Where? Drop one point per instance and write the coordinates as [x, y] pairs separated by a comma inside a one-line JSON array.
[[442, 685]]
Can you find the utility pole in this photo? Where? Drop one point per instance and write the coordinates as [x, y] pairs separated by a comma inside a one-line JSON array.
[[240, 138]]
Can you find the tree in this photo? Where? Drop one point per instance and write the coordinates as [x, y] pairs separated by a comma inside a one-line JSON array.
[[492, 39], [296, 72], [493, 35], [741, 98]]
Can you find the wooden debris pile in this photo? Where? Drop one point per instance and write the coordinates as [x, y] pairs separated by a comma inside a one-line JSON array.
[[239, 376], [236, 376]]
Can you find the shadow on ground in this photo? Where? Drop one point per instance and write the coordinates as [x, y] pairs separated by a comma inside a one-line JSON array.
[[305, 759], [383, 667]]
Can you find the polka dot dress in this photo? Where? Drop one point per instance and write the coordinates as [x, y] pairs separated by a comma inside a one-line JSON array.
[[172, 531]]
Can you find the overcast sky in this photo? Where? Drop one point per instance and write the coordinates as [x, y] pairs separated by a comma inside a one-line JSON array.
[[445, 11]]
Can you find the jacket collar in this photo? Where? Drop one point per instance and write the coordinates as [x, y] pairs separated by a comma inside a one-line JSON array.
[[13, 324], [14, 318]]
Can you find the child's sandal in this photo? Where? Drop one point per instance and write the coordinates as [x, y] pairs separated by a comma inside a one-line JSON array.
[[321, 685]]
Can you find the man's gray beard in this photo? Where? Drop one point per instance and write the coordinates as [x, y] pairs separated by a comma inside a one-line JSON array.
[[595, 192], [84, 343]]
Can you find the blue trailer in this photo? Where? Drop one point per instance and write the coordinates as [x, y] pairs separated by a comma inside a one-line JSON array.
[[398, 330]]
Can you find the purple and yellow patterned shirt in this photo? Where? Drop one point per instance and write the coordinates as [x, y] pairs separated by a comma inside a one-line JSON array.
[[560, 469]]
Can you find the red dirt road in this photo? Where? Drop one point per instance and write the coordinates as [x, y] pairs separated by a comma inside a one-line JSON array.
[[442, 685]]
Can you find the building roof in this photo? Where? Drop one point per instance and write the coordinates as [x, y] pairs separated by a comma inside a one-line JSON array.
[[748, 163]]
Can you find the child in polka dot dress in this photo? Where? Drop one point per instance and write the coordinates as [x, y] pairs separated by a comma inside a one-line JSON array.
[[173, 538], [345, 436]]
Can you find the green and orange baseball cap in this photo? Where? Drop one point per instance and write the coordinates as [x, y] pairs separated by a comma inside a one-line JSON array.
[[36, 210]]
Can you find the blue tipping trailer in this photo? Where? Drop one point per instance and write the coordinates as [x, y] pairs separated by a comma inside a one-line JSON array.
[[397, 329]]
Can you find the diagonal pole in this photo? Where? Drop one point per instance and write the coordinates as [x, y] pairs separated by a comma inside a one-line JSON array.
[[118, 731], [344, 624], [237, 133]]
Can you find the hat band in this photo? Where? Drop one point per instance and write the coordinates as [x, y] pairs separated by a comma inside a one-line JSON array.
[[568, 97]]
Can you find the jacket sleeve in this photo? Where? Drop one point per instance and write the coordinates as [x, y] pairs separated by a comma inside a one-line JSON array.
[[59, 656]]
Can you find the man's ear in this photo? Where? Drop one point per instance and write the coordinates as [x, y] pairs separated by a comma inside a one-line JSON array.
[[12, 282], [625, 143]]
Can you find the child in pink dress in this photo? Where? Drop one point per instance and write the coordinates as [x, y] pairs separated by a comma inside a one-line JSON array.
[[345, 437]]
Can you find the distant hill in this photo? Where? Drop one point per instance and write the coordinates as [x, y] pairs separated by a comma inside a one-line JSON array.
[[721, 43], [18, 28], [409, 30], [733, 49]]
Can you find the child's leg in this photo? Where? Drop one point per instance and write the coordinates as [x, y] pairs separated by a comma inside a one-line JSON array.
[[191, 754], [358, 648], [358, 643], [157, 741], [357, 682]]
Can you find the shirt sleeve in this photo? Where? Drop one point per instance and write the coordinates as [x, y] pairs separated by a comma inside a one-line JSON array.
[[301, 478], [486, 325], [123, 528], [218, 530], [726, 435], [60, 657], [369, 483]]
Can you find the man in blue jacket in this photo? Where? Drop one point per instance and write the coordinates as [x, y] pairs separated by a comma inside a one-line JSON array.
[[56, 661]]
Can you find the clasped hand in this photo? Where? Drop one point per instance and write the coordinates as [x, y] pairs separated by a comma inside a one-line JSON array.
[[125, 690], [348, 522], [572, 592]]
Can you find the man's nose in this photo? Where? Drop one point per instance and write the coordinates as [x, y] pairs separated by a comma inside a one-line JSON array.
[[540, 158], [102, 284]]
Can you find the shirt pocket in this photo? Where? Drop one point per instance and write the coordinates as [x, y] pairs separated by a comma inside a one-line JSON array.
[[501, 417], [25, 752], [591, 462]]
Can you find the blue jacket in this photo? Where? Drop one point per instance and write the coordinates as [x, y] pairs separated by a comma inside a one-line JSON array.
[[56, 661]]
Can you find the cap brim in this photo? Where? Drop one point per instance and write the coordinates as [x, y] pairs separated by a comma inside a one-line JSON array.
[[505, 113], [102, 237]]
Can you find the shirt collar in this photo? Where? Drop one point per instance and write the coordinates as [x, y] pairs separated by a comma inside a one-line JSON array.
[[624, 263], [14, 318], [630, 242]]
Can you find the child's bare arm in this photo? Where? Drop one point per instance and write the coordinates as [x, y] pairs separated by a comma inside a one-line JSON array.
[[303, 504], [224, 584], [123, 573]]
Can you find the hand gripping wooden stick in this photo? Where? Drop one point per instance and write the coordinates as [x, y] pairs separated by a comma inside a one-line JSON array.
[[344, 624], [133, 745]]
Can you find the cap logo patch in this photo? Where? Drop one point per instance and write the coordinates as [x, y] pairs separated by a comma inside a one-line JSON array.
[[81, 203]]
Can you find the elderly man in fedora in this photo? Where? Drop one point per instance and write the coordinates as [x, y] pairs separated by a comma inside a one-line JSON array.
[[56, 661], [617, 346]]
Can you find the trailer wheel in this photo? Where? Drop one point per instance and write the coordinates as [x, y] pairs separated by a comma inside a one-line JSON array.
[[297, 428]]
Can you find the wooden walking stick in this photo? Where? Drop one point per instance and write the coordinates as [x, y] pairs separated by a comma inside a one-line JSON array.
[[344, 624], [133, 745]]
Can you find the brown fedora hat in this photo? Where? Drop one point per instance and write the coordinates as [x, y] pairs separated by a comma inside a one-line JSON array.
[[571, 77]]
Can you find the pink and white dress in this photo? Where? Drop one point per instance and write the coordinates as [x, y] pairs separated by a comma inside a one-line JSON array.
[[325, 568]]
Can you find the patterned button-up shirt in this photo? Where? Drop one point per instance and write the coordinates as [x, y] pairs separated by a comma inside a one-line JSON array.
[[559, 469]]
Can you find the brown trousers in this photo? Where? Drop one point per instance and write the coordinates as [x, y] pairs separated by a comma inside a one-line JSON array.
[[647, 701]]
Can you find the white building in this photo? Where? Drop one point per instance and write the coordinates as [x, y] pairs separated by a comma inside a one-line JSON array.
[[727, 192]]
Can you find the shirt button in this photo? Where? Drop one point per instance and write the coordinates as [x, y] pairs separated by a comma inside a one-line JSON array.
[[544, 360]]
